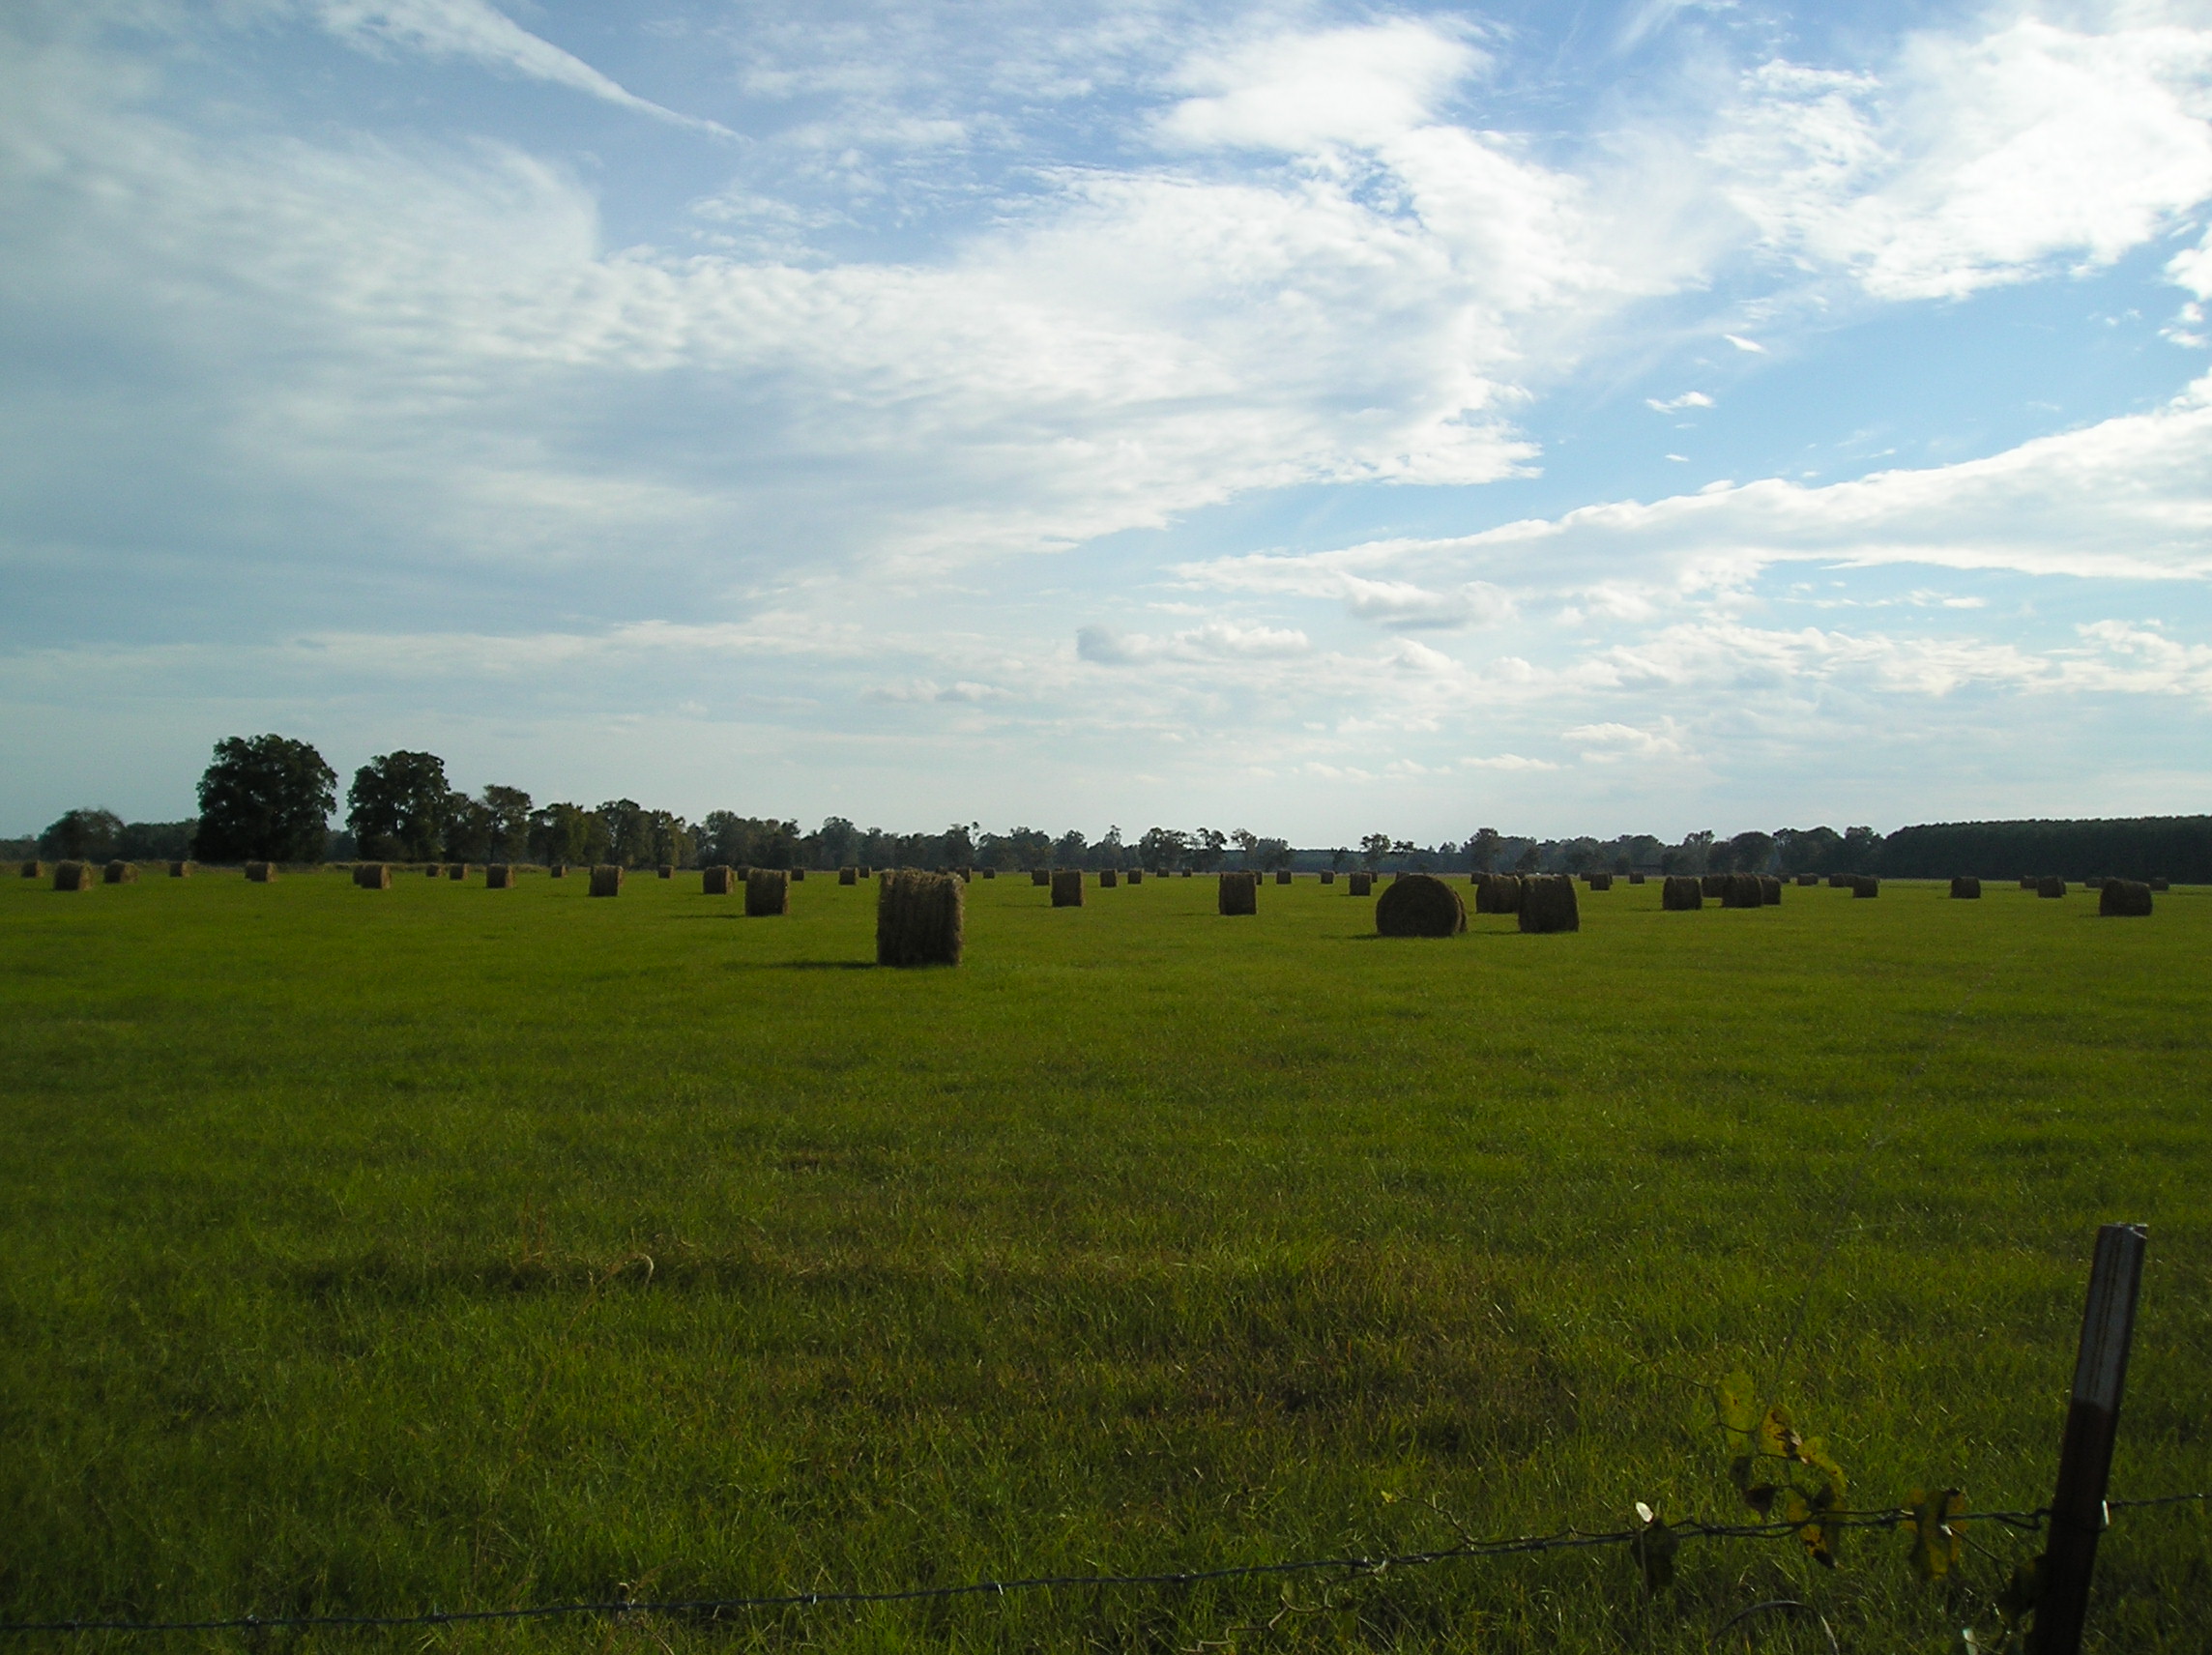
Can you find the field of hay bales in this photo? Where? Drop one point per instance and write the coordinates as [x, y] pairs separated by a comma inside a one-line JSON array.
[[375, 1250]]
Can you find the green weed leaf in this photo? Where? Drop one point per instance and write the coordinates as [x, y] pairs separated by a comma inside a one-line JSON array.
[[1932, 1523]]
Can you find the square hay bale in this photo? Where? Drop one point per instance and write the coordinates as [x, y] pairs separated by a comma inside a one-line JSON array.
[[1681, 894], [2050, 884], [261, 873], [1240, 893], [34, 870], [1135, 876], [1967, 886], [1601, 882], [498, 876], [1809, 879], [1548, 904], [1715, 885], [372, 875], [1281, 876], [1419, 905], [1039, 876], [458, 871], [120, 872], [2124, 899], [720, 879], [848, 875], [1108, 878], [73, 876], [1865, 884], [1635, 878], [1741, 890], [180, 870], [921, 919], [666, 870], [1362, 883], [767, 892], [2161, 884], [606, 879], [1067, 887], [1328, 875], [1771, 891]]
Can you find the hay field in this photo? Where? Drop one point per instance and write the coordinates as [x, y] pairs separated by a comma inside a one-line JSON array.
[[375, 1250]]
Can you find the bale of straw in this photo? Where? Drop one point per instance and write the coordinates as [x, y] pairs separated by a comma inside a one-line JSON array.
[[606, 880], [498, 876], [1186, 873], [1635, 878], [1809, 879], [1741, 890], [767, 892], [372, 875], [741, 873], [1715, 885], [2050, 884], [848, 875], [921, 919], [1362, 883], [666, 870], [868, 872], [1419, 905], [261, 873], [34, 870], [559, 870], [1108, 878], [2124, 899], [120, 872], [1240, 893], [180, 870], [433, 870], [1841, 882], [2027, 882], [1548, 904], [1507, 893], [1281, 876], [797, 874], [73, 876], [1601, 882], [1136, 875], [1865, 884], [720, 879], [1771, 891], [458, 871], [1681, 894], [2161, 884], [1039, 876], [1328, 875], [1967, 886], [1068, 887]]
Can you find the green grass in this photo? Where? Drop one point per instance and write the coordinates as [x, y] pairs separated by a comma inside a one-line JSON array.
[[374, 1251]]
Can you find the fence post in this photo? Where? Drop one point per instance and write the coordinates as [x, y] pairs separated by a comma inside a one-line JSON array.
[[2085, 1459]]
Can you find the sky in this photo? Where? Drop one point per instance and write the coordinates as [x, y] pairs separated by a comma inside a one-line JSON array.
[[1316, 418]]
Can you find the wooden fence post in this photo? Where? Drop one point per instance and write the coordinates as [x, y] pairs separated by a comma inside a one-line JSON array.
[[2085, 1459]]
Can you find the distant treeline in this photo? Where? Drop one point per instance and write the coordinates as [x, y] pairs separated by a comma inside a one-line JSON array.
[[2140, 847]]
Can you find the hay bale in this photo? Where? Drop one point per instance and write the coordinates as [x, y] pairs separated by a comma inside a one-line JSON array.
[[666, 870], [73, 876], [34, 870], [1240, 893], [796, 875], [1362, 883], [1967, 886], [559, 870], [1108, 878], [1067, 887], [921, 919], [1039, 876], [1136, 875], [720, 879], [2124, 899], [1635, 878], [2027, 882], [433, 870], [1601, 882], [868, 872], [2161, 884], [372, 875], [1715, 885], [120, 872], [1281, 876], [180, 870], [1865, 884], [1771, 891], [1841, 882], [1808, 879], [498, 876], [458, 871], [1741, 890], [261, 873], [1186, 873], [1681, 894], [606, 880], [2050, 884], [1548, 904], [993, 873], [1328, 875], [767, 892], [1506, 892], [848, 875], [1419, 905]]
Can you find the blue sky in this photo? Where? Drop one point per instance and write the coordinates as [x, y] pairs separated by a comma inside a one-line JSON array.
[[1611, 418]]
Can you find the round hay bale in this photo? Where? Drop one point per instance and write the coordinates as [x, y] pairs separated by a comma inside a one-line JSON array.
[[1362, 883], [2124, 899], [1136, 875], [1635, 878], [1771, 891], [2027, 882], [1186, 873], [180, 870], [433, 870], [848, 875], [498, 876], [120, 872], [34, 870], [1108, 878], [2050, 884], [1507, 893], [1039, 876], [261, 873], [606, 880], [559, 870], [1809, 879], [73, 876], [868, 872], [796, 875], [921, 919], [1419, 905], [1601, 882], [1715, 885], [721, 880], [1240, 893], [1548, 904], [1841, 882], [1681, 894], [1281, 876], [1865, 884], [1328, 875], [993, 873], [372, 875], [768, 894], [1068, 887], [2161, 884], [666, 870], [1967, 887], [458, 871]]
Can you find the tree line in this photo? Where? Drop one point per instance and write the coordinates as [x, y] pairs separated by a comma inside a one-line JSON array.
[[270, 798]]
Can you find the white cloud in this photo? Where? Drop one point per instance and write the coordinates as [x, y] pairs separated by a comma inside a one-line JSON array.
[[1743, 345], [1675, 404], [1302, 91]]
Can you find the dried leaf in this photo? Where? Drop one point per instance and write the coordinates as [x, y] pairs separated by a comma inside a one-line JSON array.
[[1932, 1523], [1776, 1436]]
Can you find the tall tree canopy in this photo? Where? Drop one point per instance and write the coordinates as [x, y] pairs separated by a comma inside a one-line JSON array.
[[397, 808], [265, 799]]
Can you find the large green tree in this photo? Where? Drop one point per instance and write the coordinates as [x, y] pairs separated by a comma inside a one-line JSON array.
[[397, 808], [88, 834], [265, 799]]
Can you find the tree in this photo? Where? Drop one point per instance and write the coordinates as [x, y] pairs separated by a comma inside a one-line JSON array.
[[468, 829], [1338, 858], [1161, 851], [1529, 860], [1373, 849], [397, 808], [1247, 842], [265, 799], [960, 844], [566, 833], [1484, 850], [1751, 851], [1110, 848], [1208, 845], [509, 810], [834, 842], [84, 836], [1068, 851]]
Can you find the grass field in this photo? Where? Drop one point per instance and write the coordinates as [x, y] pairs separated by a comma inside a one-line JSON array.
[[375, 1251]]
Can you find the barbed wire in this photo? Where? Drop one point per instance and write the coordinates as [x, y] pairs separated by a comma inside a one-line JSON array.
[[1565, 1540]]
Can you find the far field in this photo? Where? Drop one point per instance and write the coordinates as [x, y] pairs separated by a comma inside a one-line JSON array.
[[369, 1252]]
